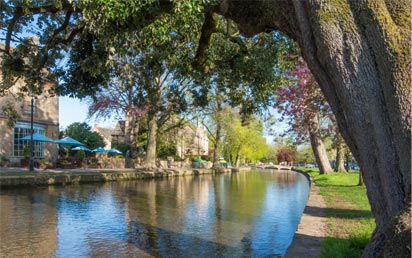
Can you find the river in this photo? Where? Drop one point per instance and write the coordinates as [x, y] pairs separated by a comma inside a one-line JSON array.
[[244, 214]]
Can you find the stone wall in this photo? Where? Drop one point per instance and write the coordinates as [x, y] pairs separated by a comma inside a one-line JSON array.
[[88, 177]]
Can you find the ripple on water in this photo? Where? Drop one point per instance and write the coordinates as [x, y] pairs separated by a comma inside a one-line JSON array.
[[232, 215]]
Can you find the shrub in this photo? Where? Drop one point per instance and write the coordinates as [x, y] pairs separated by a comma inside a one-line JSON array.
[[81, 155], [4, 159]]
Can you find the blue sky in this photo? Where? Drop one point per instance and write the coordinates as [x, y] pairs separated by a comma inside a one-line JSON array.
[[73, 110]]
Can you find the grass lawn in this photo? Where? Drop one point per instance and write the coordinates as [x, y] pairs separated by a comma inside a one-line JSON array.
[[349, 218]]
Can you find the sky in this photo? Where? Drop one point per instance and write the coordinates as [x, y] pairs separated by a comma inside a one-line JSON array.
[[72, 110]]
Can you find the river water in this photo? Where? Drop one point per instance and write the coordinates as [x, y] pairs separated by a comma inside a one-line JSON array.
[[245, 214]]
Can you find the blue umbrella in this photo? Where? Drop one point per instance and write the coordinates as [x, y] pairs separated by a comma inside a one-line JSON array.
[[99, 149], [37, 138], [68, 141], [116, 151], [81, 148]]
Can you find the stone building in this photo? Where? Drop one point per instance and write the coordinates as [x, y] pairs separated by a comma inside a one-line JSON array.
[[45, 122], [106, 134], [189, 140], [192, 140]]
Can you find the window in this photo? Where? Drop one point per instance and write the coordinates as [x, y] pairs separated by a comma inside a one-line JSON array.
[[23, 129]]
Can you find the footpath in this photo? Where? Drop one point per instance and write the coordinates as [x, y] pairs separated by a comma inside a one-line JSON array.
[[312, 228]]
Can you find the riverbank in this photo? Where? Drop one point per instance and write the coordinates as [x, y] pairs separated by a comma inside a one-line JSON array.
[[341, 207], [311, 231], [15, 177]]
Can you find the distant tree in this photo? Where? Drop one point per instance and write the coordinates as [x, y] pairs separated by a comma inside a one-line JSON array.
[[243, 141], [82, 133], [271, 154], [286, 154], [303, 105], [306, 154]]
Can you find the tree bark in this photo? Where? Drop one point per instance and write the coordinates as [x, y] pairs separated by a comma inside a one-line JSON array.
[[216, 150], [237, 160], [131, 130], [359, 52], [218, 136], [340, 154], [318, 148], [320, 153], [360, 182], [151, 141]]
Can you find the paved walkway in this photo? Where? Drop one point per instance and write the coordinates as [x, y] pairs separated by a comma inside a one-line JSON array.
[[312, 228]]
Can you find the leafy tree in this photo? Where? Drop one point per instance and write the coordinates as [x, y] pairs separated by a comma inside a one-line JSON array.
[[166, 150], [302, 104], [82, 133], [359, 51], [271, 154], [243, 141], [240, 72], [306, 154], [286, 154]]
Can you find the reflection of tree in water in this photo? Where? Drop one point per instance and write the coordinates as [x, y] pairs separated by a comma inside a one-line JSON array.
[[25, 213], [185, 216]]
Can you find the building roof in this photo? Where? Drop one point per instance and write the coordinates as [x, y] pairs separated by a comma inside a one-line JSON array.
[[104, 132], [120, 128]]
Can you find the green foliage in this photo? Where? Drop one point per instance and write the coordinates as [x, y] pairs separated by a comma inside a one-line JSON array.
[[4, 158], [81, 155], [243, 141], [270, 155], [306, 155], [81, 132], [166, 150], [26, 152], [11, 113], [123, 147]]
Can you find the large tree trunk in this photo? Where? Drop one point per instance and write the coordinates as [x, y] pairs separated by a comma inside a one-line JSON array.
[[360, 181], [151, 142], [218, 136], [131, 130], [359, 51], [318, 148], [216, 150], [319, 151], [340, 154]]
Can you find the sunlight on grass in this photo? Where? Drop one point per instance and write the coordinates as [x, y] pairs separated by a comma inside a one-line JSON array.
[[350, 219]]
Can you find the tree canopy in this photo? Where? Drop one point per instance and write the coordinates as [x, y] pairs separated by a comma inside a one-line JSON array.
[[82, 132], [359, 52]]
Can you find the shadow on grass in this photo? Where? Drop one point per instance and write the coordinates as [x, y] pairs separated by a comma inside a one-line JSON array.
[[338, 213]]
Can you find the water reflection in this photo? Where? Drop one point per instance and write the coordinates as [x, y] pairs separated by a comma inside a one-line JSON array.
[[234, 215]]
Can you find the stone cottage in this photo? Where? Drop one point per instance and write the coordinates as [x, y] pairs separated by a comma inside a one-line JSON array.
[[45, 122]]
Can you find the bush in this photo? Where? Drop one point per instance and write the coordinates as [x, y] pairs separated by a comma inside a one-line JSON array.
[[81, 155], [26, 152], [164, 151], [4, 159]]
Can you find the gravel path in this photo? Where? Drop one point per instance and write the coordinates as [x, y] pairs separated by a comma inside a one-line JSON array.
[[311, 230]]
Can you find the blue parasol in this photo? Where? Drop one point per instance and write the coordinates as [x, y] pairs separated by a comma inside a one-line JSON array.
[[81, 148], [115, 151], [37, 138], [99, 149], [68, 141]]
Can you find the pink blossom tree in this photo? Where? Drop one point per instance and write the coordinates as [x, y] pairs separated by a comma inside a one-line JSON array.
[[302, 105]]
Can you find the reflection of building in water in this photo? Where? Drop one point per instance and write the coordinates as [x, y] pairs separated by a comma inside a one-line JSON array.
[[28, 225]]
